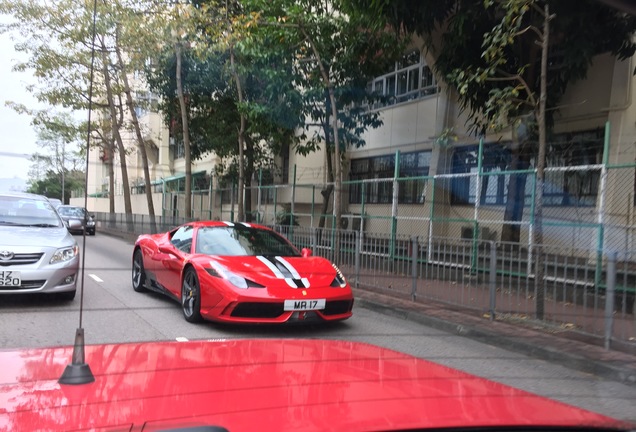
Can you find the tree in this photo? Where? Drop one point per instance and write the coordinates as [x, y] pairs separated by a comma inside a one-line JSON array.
[[59, 135], [229, 93], [490, 52], [336, 52], [59, 167], [50, 186], [58, 37]]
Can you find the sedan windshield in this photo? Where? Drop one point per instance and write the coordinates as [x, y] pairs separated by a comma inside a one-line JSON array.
[[232, 241], [19, 211], [77, 212]]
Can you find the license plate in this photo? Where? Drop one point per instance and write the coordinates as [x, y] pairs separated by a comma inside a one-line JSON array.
[[10, 278], [304, 305]]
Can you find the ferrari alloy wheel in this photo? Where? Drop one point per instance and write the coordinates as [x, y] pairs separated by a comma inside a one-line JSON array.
[[191, 296], [138, 272]]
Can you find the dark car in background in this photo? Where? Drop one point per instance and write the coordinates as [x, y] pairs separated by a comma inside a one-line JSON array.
[[87, 221], [37, 252]]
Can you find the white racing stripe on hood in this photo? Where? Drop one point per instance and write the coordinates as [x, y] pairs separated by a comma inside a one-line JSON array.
[[277, 272], [289, 267], [293, 271], [271, 266]]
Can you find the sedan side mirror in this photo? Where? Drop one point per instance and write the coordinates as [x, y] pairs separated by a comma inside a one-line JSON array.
[[306, 252]]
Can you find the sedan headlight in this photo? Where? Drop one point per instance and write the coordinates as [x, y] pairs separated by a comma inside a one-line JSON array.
[[64, 254], [339, 281]]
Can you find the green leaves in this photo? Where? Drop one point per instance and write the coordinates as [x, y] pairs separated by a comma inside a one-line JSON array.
[[487, 49]]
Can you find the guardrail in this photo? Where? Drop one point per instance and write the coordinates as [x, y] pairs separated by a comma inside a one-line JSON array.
[[495, 279]]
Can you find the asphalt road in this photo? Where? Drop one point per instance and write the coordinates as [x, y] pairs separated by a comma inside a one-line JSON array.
[[113, 313]]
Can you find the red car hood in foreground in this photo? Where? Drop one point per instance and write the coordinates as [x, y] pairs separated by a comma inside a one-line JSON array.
[[264, 385]]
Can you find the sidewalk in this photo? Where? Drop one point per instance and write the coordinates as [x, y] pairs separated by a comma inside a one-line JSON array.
[[550, 346]]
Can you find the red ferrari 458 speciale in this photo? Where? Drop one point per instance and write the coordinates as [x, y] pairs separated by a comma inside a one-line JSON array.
[[241, 273]]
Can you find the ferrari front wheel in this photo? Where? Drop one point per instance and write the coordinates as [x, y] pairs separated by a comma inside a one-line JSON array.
[[191, 296], [138, 272]]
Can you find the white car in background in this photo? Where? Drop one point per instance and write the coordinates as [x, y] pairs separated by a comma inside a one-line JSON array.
[[37, 252]]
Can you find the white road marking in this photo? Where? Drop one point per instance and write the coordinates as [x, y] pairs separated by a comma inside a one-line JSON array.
[[182, 339], [95, 278]]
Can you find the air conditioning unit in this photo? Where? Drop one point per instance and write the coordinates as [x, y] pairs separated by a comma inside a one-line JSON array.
[[351, 222]]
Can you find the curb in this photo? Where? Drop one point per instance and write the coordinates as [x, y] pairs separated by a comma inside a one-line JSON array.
[[622, 373]]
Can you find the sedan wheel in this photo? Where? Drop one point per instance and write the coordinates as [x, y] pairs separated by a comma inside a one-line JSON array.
[[138, 272], [191, 297]]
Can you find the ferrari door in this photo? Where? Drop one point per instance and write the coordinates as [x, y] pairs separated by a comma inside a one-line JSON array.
[[173, 254]]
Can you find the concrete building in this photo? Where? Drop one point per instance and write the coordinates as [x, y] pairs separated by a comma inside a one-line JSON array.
[[438, 176]]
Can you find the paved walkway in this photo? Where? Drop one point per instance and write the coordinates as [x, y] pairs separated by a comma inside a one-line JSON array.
[[562, 348]]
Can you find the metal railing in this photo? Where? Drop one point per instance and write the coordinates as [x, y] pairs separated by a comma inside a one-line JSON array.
[[489, 277]]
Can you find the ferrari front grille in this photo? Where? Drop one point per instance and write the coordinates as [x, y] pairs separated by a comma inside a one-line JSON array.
[[338, 307], [258, 310]]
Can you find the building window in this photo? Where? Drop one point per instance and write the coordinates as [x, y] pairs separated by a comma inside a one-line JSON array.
[[561, 188], [493, 188], [145, 103], [285, 163], [382, 169], [267, 193], [410, 79], [178, 148]]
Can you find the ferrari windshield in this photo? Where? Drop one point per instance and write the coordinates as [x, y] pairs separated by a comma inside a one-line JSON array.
[[236, 241]]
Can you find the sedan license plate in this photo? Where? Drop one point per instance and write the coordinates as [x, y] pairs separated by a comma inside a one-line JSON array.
[[10, 278], [304, 305]]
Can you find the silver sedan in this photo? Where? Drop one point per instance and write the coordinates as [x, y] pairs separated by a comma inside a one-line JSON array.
[[37, 252]]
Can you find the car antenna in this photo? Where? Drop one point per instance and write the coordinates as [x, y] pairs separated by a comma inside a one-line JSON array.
[[78, 371]]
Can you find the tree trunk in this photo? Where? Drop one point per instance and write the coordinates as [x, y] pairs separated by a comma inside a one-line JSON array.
[[249, 173], [186, 135], [337, 211], [328, 189], [140, 140], [241, 140], [116, 135], [111, 180], [538, 216], [515, 198]]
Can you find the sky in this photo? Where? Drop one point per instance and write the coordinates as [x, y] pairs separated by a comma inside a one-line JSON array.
[[18, 140]]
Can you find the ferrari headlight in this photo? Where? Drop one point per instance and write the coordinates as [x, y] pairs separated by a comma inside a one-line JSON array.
[[219, 271], [339, 281], [64, 254], [237, 281]]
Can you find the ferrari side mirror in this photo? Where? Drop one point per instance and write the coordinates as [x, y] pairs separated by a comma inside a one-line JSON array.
[[306, 252]]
